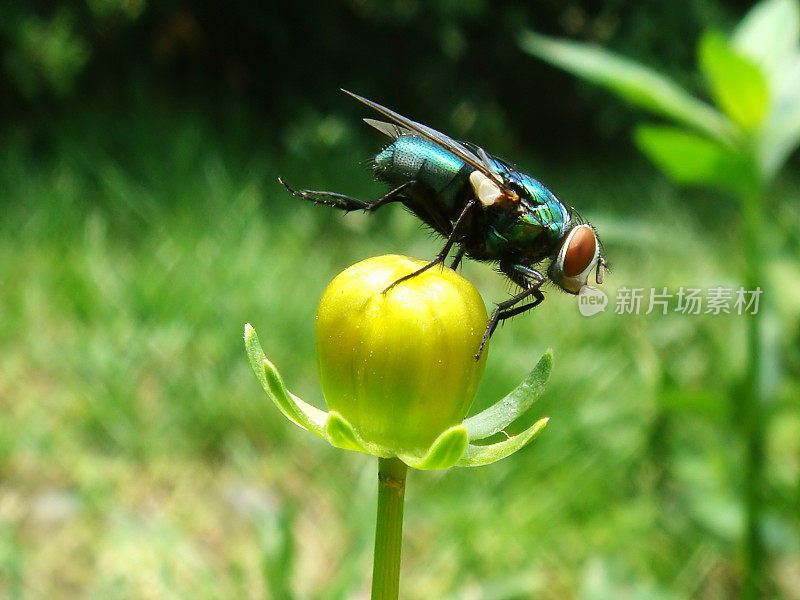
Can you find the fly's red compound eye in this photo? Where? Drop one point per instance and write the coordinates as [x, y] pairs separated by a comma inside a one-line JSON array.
[[581, 251]]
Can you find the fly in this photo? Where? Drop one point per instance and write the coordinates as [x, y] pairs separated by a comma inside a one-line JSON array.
[[485, 207]]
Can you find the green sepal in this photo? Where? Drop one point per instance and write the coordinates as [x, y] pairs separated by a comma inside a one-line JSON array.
[[504, 412], [445, 451], [341, 434], [451, 448], [477, 456], [293, 408]]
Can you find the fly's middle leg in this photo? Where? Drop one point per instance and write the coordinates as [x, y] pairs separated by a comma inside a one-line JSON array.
[[457, 260], [348, 203]]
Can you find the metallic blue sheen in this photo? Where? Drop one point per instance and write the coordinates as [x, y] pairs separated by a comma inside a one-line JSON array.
[[413, 157], [545, 210], [541, 218]]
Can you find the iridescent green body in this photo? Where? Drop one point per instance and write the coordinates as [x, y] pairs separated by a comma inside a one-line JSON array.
[[533, 226], [484, 207]]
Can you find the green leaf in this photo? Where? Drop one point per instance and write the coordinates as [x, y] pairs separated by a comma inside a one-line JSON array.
[[780, 135], [293, 408], [477, 456], [769, 33], [443, 453], [504, 412], [691, 159], [737, 83], [632, 81]]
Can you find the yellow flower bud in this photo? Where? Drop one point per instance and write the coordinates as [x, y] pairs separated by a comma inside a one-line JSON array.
[[400, 367]]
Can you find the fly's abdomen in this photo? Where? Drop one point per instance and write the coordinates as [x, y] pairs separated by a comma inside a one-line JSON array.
[[411, 157]]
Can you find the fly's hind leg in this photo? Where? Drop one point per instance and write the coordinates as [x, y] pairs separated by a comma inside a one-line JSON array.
[[348, 203], [451, 240], [527, 278]]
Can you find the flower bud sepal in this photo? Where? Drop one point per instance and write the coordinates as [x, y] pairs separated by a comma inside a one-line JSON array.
[[444, 452], [453, 447]]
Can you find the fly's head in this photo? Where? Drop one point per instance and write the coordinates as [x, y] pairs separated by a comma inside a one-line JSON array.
[[580, 254]]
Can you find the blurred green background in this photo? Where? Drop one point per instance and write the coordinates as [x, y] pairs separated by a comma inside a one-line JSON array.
[[142, 225]]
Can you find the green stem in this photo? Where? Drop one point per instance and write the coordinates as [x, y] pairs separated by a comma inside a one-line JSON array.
[[389, 528], [753, 404]]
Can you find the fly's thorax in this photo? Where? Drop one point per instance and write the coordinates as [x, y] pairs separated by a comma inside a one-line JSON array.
[[522, 231], [535, 225]]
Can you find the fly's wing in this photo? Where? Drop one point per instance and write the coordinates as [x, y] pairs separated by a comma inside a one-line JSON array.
[[478, 161], [390, 129], [395, 131], [496, 165], [537, 192]]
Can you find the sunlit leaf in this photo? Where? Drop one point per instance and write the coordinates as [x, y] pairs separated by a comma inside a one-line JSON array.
[[769, 33], [630, 80], [736, 82], [689, 158], [780, 135]]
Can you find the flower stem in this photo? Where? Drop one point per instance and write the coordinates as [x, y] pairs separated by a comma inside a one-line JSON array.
[[388, 529]]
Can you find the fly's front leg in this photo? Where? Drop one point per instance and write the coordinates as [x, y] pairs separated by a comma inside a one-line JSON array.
[[451, 239], [504, 310], [527, 278], [348, 203]]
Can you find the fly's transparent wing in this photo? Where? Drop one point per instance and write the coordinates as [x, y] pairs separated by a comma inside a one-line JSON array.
[[434, 136], [395, 131], [390, 129], [487, 161]]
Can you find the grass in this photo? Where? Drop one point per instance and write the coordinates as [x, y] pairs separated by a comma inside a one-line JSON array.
[[139, 459]]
